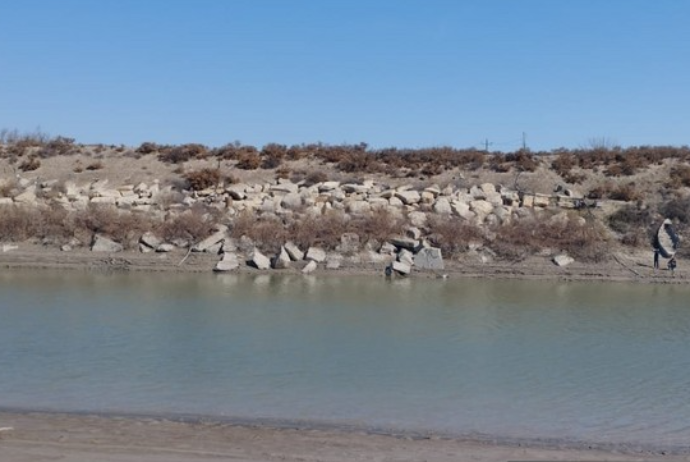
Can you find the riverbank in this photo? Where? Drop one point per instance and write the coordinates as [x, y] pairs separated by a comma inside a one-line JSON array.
[[38, 436], [621, 267]]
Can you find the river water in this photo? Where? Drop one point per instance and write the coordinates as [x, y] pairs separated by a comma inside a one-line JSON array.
[[586, 362]]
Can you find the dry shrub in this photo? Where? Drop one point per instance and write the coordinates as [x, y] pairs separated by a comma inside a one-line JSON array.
[[273, 155], [121, 226], [626, 192], [147, 147], [679, 176], [202, 179], [21, 223], [267, 232], [30, 164], [249, 161], [8, 187], [520, 239], [315, 177], [98, 165], [183, 153], [379, 226], [634, 223], [59, 146], [17, 223], [323, 231], [191, 225], [452, 234], [677, 209]]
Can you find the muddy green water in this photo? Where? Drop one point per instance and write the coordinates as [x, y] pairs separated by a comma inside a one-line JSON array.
[[606, 363]]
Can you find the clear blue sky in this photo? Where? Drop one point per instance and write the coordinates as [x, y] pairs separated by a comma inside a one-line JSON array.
[[399, 73]]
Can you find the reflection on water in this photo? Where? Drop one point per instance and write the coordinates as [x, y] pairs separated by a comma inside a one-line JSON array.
[[596, 362]]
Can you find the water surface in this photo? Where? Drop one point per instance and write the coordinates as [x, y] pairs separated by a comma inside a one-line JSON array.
[[605, 363]]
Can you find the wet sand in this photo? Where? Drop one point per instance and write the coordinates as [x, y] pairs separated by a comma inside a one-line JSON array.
[[34, 437]]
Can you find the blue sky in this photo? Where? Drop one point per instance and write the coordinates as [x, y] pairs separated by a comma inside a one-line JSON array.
[[402, 73]]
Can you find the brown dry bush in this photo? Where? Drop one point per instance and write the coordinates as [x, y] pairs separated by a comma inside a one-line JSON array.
[[626, 192], [379, 226], [268, 232], [202, 179], [634, 223], [59, 146], [273, 155], [677, 209], [519, 239], [121, 226], [183, 153], [30, 164], [191, 225], [148, 147], [249, 161], [323, 231], [20, 223], [17, 223], [679, 176], [452, 234], [98, 165]]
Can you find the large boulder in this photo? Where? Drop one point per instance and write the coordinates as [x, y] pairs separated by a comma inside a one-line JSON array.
[[259, 260], [442, 206], [213, 239], [401, 268], [309, 267], [562, 260], [429, 258], [281, 260], [316, 254], [408, 197], [149, 239], [295, 253], [291, 201], [103, 244], [228, 262]]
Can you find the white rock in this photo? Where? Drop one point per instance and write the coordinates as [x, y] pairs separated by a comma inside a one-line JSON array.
[[316, 254], [293, 251], [408, 197], [310, 267], [213, 239], [429, 258], [103, 244], [563, 260], [405, 256], [358, 207], [165, 247], [259, 260], [228, 262], [281, 260], [442, 206], [400, 267], [291, 201], [481, 207], [150, 240]]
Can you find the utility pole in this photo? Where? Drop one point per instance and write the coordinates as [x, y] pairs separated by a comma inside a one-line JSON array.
[[524, 141], [486, 145]]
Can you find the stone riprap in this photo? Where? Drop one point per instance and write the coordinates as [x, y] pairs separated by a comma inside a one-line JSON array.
[[483, 205]]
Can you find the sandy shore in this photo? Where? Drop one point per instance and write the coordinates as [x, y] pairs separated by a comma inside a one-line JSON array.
[[33, 437]]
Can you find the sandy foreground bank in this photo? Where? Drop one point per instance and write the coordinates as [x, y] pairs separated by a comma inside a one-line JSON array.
[[34, 437]]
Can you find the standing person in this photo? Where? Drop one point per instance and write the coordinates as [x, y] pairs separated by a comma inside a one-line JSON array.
[[672, 265], [656, 258]]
